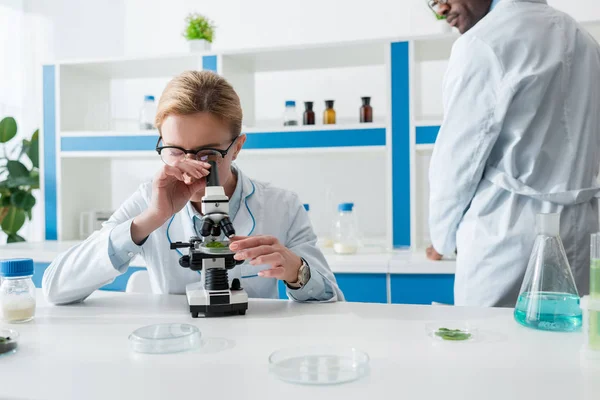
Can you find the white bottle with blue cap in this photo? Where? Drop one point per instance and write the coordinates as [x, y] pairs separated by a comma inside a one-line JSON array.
[[17, 291], [346, 235], [147, 113], [290, 117]]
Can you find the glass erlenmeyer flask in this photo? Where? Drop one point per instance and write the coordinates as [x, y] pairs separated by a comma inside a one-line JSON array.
[[548, 299]]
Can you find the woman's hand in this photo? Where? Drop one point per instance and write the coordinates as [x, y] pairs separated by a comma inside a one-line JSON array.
[[172, 188], [267, 250]]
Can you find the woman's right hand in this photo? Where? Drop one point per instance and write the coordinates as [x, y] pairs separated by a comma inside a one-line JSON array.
[[172, 188]]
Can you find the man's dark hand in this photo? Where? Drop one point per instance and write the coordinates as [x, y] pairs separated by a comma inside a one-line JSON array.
[[432, 254]]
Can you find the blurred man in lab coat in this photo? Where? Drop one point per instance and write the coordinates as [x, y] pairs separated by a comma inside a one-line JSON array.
[[520, 137]]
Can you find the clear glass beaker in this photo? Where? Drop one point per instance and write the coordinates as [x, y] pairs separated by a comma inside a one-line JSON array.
[[548, 299]]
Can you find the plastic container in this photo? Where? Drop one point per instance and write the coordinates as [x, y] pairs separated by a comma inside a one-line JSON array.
[[308, 118], [290, 117], [366, 111], [9, 340], [329, 113], [147, 113], [17, 291], [548, 299], [319, 365], [346, 235], [165, 338]]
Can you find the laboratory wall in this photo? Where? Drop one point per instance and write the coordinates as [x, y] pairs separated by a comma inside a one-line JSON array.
[[69, 29]]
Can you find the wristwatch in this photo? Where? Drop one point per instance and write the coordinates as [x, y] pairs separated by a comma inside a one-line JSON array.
[[303, 276]]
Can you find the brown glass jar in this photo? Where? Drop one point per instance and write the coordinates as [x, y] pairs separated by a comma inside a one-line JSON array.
[[329, 113], [309, 114], [366, 111]]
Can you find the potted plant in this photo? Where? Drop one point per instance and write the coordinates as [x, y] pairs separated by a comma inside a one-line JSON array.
[[17, 181], [199, 32]]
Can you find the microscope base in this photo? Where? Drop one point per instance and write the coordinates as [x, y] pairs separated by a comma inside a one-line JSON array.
[[215, 303]]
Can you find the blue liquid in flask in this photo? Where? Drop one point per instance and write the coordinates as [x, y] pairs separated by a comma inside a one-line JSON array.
[[559, 312]]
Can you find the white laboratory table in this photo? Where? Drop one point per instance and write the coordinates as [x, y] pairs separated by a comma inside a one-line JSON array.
[[81, 352]]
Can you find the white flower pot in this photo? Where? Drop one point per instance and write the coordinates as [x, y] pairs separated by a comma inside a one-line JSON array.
[[199, 45]]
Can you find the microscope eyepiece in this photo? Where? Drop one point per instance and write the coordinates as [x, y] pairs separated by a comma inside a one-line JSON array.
[[227, 227], [213, 175]]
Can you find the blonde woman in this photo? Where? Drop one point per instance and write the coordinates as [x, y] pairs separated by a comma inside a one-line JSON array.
[[199, 116]]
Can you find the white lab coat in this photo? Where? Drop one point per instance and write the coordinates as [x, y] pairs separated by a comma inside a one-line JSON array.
[[264, 209], [521, 136]]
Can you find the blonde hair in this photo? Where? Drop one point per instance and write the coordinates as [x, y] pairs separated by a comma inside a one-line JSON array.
[[201, 91]]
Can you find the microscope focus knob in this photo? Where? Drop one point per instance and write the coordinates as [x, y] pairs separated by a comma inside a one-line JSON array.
[[236, 284], [184, 261]]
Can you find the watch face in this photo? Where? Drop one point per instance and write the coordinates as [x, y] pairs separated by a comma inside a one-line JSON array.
[[305, 273]]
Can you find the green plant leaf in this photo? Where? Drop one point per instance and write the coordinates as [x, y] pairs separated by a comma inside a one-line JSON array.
[[23, 200], [8, 129], [28, 213], [30, 181], [199, 27], [14, 238], [33, 150], [13, 221], [16, 169], [5, 201], [24, 147]]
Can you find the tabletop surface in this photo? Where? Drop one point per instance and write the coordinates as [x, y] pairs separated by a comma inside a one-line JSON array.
[[81, 351]]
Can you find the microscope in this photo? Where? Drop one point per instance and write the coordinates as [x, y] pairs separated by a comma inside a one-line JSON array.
[[213, 296]]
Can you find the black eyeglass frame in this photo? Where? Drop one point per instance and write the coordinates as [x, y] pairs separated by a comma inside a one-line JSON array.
[[223, 153], [433, 3]]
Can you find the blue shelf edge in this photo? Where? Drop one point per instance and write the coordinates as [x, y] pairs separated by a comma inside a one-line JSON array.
[[427, 134], [267, 140]]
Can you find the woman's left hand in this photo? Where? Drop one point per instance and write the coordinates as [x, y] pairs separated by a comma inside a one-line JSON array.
[[261, 250]]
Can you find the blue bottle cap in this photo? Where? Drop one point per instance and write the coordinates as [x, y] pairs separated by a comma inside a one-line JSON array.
[[290, 103], [345, 207], [16, 267], [148, 98], [307, 207]]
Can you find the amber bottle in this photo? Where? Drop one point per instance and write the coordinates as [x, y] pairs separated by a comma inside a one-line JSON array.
[[309, 114], [366, 111], [329, 113]]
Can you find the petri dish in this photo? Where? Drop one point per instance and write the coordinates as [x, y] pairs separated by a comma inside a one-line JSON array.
[[319, 365], [217, 250], [165, 338], [452, 331], [8, 341]]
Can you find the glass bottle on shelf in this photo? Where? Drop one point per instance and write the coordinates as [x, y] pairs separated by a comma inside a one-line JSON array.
[[290, 117], [366, 111], [309, 114], [147, 113], [329, 113], [346, 230]]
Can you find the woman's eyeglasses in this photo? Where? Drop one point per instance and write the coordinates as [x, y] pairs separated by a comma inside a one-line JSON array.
[[173, 154], [435, 6]]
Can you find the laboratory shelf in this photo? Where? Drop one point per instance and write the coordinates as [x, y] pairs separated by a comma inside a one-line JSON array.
[[427, 134], [136, 67], [101, 143]]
